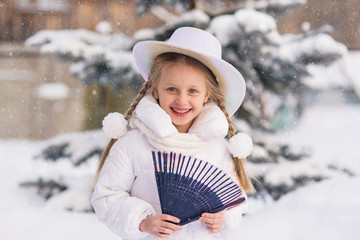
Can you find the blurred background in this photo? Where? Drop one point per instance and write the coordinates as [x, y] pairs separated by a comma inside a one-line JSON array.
[[28, 112], [65, 64]]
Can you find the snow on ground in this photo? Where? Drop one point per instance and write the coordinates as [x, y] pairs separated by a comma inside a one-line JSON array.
[[326, 210], [23, 215]]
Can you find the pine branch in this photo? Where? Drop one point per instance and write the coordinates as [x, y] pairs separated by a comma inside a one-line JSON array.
[[46, 189]]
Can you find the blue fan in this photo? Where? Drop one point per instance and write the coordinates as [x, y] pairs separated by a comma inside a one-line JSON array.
[[188, 187]]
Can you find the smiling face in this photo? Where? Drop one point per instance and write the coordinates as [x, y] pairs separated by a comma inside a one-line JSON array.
[[181, 92]]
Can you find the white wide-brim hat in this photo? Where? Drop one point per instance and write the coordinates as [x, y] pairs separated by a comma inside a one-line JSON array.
[[205, 48]]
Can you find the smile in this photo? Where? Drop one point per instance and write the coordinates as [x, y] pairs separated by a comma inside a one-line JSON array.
[[181, 111]]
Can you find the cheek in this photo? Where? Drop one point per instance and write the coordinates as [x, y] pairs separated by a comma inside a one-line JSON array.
[[200, 104], [164, 102]]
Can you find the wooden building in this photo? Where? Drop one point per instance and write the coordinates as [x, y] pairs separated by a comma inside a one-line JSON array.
[[342, 16], [20, 19]]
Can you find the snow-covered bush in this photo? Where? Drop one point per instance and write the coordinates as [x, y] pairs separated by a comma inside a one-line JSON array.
[[64, 169], [278, 169], [66, 166]]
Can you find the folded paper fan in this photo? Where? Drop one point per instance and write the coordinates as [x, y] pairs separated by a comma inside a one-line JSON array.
[[189, 186]]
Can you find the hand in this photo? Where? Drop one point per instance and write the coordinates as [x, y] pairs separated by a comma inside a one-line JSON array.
[[213, 221], [158, 226]]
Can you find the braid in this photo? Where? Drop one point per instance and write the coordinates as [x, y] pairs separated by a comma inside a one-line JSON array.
[[128, 114], [141, 94], [245, 182], [103, 158], [231, 130]]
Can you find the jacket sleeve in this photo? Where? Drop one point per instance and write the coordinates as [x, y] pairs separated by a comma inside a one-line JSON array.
[[232, 218], [111, 200]]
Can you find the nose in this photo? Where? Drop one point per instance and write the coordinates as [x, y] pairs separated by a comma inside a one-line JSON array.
[[181, 99]]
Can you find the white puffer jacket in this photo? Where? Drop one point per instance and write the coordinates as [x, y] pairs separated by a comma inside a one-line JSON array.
[[126, 191]]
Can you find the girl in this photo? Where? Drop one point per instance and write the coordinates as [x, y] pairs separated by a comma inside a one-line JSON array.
[[185, 107]]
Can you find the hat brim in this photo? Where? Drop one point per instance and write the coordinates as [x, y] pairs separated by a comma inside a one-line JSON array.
[[228, 76]]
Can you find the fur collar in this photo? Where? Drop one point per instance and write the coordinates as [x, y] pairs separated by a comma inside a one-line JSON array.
[[156, 125]]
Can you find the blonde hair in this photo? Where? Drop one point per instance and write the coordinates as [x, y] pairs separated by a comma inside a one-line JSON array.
[[216, 96]]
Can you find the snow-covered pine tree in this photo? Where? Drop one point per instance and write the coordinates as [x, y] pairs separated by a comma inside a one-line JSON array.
[[272, 64]]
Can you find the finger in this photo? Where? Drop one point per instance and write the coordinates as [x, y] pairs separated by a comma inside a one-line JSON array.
[[169, 221], [213, 215], [167, 217], [171, 226], [214, 226], [162, 235], [213, 230], [207, 220], [164, 230]]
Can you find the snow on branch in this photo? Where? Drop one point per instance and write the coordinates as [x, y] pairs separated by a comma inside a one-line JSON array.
[[76, 43], [318, 48], [254, 21], [194, 18], [276, 7]]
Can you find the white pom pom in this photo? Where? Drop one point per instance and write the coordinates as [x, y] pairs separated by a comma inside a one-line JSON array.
[[240, 145], [114, 125]]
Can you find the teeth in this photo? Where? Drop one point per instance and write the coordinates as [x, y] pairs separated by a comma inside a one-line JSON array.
[[184, 111]]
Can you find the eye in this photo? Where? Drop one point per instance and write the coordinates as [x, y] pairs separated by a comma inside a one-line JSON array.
[[171, 89], [193, 91]]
